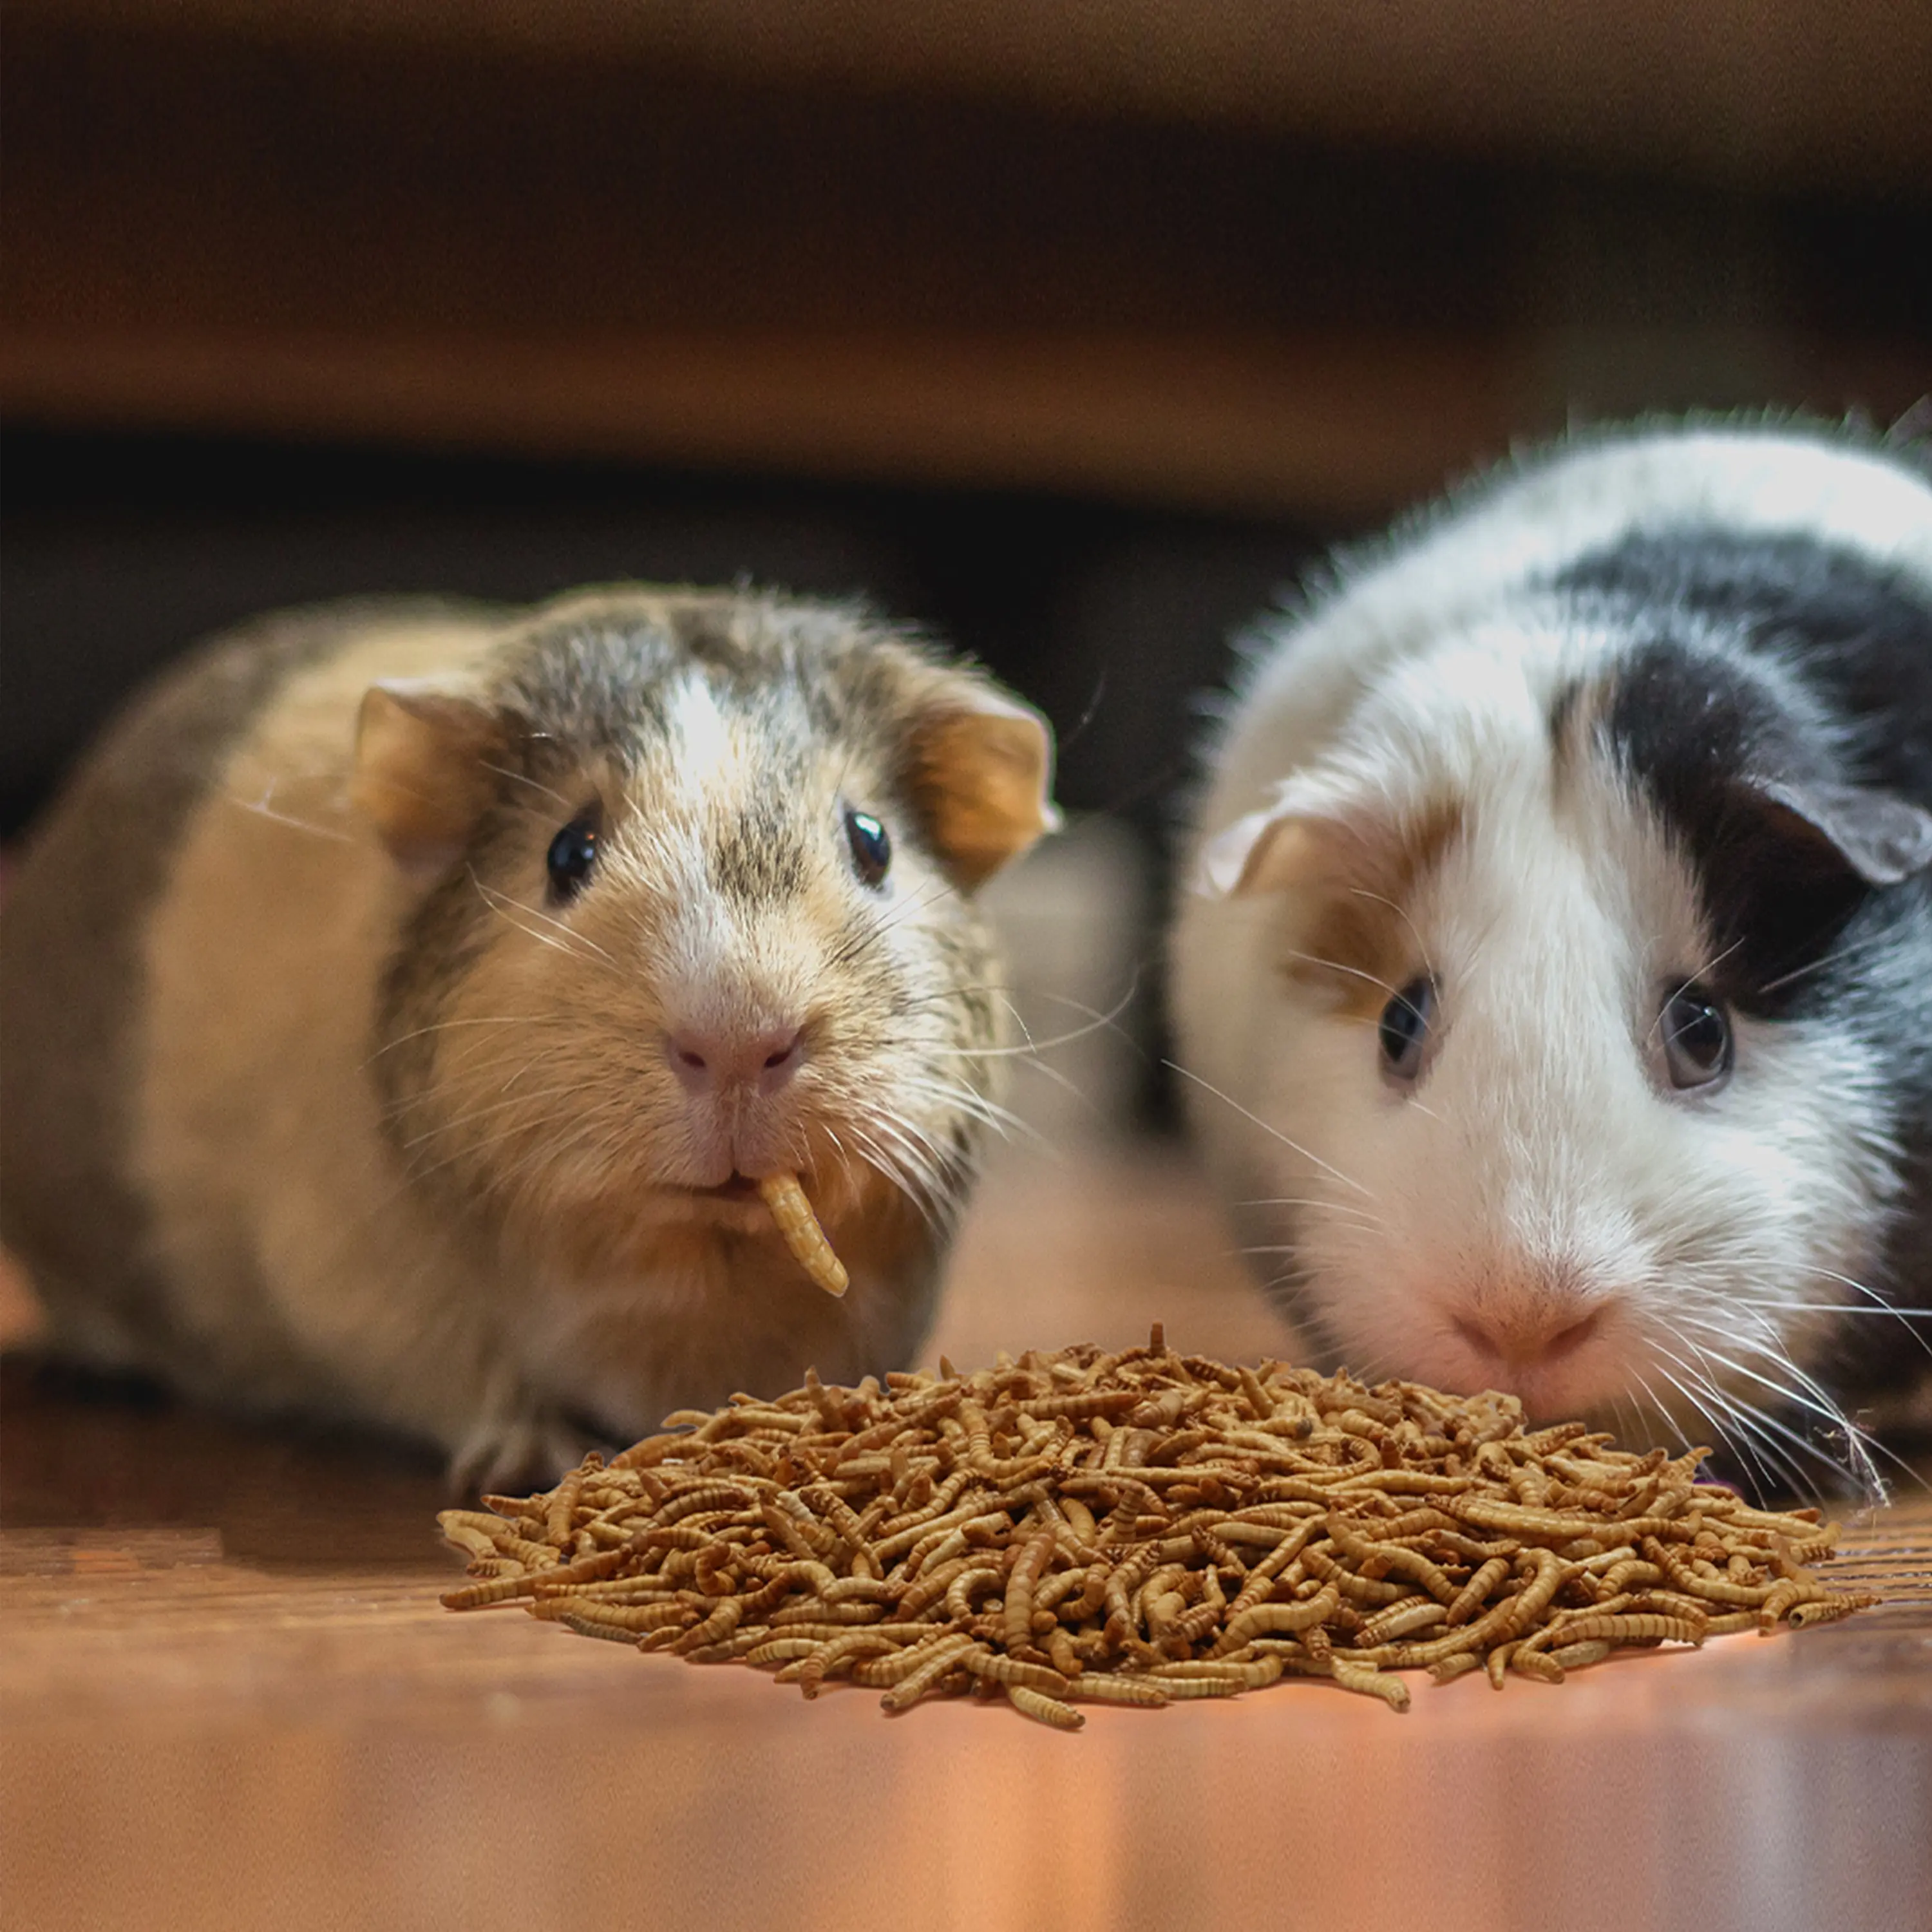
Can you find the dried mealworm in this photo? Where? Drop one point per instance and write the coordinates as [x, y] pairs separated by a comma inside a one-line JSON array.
[[1372, 1682], [504, 1589], [1250, 1675], [563, 1507], [477, 1544], [633, 1618], [982, 1662], [1576, 1656], [803, 1236], [935, 1663], [1033, 1560], [1042, 1708], [1099, 1688]]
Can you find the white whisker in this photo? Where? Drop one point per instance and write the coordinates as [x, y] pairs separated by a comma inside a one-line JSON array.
[[572, 942], [1337, 966], [1292, 1146]]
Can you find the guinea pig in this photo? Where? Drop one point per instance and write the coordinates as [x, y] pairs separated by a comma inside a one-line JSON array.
[[1553, 964], [404, 999]]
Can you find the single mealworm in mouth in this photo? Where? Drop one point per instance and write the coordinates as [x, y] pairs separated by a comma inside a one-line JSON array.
[[799, 1225]]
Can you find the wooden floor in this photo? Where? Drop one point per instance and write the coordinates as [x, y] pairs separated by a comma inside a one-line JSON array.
[[231, 1700]]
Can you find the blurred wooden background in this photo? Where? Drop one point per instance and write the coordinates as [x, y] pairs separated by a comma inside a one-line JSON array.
[[1233, 254], [1075, 331]]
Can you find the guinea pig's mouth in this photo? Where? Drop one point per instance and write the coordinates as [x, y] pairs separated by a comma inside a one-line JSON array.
[[739, 1187], [733, 1203], [739, 1201]]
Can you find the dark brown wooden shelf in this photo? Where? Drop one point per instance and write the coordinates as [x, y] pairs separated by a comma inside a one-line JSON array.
[[1230, 256]]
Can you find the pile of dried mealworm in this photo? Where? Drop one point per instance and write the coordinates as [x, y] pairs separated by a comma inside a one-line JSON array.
[[1138, 1526]]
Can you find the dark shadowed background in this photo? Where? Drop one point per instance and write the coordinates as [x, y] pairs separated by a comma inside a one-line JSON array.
[[1072, 331]]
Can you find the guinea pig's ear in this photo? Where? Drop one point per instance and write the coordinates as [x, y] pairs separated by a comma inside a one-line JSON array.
[[1881, 837], [422, 767], [980, 770], [1325, 828], [1268, 852]]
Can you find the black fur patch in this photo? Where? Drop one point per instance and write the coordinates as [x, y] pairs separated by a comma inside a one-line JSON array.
[[1703, 721], [1863, 634], [1687, 726]]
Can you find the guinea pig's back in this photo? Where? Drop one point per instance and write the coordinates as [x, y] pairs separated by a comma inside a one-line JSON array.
[[1532, 522], [74, 975]]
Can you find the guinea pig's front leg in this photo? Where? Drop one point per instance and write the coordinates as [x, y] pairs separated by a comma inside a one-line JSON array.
[[517, 1440]]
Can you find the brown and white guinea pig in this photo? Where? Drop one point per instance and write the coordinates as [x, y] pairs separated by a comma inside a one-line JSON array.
[[402, 1001], [1555, 971]]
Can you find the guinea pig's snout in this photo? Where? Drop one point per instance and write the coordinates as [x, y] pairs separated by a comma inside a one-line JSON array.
[[709, 1060], [1520, 1336]]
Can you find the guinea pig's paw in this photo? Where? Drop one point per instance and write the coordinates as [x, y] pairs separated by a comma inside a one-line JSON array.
[[509, 1454]]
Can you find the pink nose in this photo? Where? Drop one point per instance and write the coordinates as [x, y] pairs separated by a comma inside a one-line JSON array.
[[706, 1060], [1531, 1336]]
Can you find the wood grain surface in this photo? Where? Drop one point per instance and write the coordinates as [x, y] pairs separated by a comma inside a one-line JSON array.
[[230, 1698]]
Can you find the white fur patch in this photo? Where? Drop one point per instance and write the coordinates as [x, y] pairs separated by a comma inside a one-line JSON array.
[[707, 753]]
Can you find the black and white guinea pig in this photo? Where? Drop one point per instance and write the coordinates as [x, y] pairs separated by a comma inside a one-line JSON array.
[[1554, 969]]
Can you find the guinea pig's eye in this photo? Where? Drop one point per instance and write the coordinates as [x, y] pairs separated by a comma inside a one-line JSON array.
[[1696, 1037], [572, 853], [1404, 1031], [872, 849]]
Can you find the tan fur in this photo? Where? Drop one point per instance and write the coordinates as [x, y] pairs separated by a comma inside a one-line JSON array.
[[1359, 944], [421, 775], [71, 983], [976, 773], [255, 1125], [407, 1140]]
